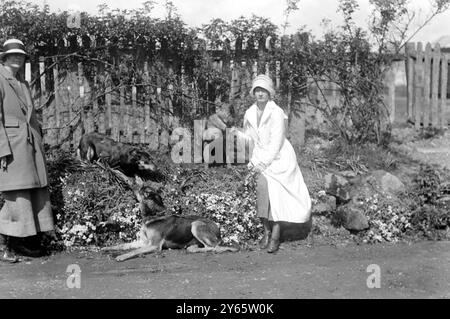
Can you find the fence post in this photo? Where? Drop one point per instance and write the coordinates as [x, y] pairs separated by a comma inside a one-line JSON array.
[[151, 128], [57, 99], [234, 82], [445, 110], [135, 120], [255, 69], [390, 83], [42, 99], [427, 89], [410, 50], [199, 128], [277, 75], [98, 117], [82, 127], [109, 115], [28, 72], [123, 115], [435, 85], [418, 86]]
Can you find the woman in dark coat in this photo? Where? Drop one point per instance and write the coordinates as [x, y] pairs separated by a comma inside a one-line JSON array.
[[23, 173]]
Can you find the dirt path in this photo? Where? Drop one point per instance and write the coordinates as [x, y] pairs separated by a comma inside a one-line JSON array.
[[435, 150], [419, 270]]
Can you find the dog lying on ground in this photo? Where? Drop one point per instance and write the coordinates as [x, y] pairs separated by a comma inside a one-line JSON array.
[[194, 233], [129, 159]]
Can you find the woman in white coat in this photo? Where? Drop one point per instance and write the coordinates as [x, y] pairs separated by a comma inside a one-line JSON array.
[[282, 195]]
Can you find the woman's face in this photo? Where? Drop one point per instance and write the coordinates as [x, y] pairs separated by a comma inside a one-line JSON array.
[[15, 60], [261, 95]]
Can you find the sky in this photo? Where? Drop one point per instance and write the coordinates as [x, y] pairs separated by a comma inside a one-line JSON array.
[[310, 13]]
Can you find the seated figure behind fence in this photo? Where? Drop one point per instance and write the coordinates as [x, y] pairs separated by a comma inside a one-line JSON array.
[[221, 144]]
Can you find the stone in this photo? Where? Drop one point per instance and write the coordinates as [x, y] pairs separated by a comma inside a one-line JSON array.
[[338, 187], [387, 182], [352, 218]]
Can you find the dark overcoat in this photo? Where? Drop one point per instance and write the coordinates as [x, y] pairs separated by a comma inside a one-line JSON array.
[[20, 137]]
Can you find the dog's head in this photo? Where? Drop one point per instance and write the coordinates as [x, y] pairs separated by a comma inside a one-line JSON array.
[[150, 200], [143, 160]]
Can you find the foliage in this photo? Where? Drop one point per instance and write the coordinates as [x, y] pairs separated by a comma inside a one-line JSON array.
[[417, 213], [427, 185], [389, 220], [116, 43], [94, 208], [90, 204], [345, 57], [430, 215]]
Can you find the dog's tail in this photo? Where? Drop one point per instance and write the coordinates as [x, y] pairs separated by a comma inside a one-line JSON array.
[[126, 246], [222, 249]]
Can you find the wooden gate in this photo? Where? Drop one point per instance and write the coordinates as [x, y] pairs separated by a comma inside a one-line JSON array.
[[427, 85]]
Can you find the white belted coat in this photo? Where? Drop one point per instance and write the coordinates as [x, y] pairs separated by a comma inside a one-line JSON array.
[[288, 194]]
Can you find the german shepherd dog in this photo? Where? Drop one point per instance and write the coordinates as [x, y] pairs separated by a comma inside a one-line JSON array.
[[194, 233], [129, 159]]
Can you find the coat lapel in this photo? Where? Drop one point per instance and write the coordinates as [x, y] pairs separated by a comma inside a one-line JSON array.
[[18, 90], [252, 117], [266, 113]]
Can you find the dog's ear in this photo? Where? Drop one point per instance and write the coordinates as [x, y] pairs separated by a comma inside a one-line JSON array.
[[157, 199]]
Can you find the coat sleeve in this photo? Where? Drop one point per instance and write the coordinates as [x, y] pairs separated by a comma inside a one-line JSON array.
[[5, 148], [277, 138]]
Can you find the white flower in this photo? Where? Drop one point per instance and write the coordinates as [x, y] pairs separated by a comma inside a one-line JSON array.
[[322, 193]]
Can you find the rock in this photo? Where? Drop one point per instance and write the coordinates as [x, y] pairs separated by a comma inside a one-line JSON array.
[[325, 204], [352, 218], [338, 187], [387, 182]]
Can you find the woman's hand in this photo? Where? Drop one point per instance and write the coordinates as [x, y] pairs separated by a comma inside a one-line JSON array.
[[257, 169], [3, 163]]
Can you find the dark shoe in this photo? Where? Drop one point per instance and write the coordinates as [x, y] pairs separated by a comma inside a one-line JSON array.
[[27, 247], [29, 252], [274, 246], [8, 257], [264, 242]]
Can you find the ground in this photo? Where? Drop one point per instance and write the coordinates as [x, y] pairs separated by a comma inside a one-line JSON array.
[[305, 269], [297, 271], [434, 150]]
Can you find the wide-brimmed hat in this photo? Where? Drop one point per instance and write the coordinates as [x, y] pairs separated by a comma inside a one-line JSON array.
[[13, 46], [265, 82]]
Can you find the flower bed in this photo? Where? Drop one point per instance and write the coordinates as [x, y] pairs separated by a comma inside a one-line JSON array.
[[94, 208]]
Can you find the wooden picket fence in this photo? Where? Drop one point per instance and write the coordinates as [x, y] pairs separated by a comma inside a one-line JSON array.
[[427, 85], [140, 113], [143, 113]]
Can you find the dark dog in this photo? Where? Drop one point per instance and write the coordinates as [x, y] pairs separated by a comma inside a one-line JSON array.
[[129, 159], [194, 233]]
